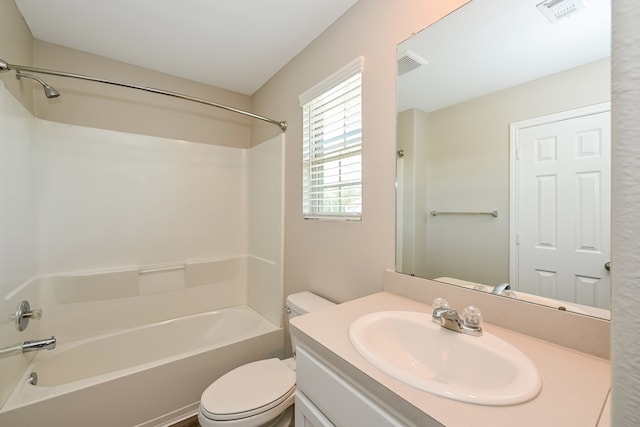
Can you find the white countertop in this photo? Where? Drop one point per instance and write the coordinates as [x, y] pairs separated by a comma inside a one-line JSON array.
[[574, 385]]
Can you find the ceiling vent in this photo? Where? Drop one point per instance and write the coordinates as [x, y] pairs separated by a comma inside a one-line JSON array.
[[555, 10], [409, 61]]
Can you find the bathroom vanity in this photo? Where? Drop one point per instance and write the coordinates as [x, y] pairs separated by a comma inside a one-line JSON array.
[[338, 386]]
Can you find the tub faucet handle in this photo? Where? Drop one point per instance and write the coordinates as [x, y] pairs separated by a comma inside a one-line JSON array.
[[24, 313]]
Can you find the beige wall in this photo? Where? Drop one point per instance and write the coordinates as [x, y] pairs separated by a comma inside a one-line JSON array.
[[345, 260], [411, 200], [405, 194], [111, 107], [15, 48], [467, 167]]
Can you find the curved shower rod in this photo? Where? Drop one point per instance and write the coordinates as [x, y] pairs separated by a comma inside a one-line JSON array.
[[5, 66]]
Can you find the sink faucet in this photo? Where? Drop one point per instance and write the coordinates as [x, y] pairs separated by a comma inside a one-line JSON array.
[[450, 319], [499, 290]]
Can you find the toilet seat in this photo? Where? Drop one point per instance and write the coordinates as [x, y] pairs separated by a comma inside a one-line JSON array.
[[249, 390]]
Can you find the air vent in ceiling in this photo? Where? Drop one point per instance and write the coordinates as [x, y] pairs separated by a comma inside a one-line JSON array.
[[554, 10], [409, 61]]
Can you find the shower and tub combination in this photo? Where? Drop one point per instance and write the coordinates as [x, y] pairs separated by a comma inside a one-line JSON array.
[[111, 341], [149, 369]]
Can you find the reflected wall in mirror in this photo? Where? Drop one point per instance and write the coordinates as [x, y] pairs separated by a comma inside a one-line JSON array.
[[478, 91]]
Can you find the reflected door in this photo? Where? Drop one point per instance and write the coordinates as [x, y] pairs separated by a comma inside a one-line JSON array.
[[563, 209]]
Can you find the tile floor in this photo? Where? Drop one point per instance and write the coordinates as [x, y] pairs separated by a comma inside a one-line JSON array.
[[189, 422]]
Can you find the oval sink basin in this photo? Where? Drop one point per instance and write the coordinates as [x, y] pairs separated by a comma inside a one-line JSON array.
[[408, 346]]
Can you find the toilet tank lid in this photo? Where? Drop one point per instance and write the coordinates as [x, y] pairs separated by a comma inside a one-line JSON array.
[[306, 302]]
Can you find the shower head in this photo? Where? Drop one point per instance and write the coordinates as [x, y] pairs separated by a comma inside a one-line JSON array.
[[49, 91]]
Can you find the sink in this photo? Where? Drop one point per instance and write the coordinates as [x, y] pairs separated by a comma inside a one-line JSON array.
[[409, 347]]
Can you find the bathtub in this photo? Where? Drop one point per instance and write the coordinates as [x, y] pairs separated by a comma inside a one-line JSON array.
[[151, 375]]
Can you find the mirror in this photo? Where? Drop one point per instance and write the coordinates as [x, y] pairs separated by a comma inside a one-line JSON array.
[[498, 105]]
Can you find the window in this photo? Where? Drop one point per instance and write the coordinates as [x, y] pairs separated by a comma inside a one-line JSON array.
[[332, 153]]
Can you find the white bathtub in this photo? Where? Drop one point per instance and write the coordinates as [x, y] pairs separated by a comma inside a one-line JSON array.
[[148, 376]]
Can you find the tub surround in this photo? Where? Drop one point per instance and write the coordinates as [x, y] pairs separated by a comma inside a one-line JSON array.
[[108, 230], [82, 304], [575, 384], [79, 305], [84, 307]]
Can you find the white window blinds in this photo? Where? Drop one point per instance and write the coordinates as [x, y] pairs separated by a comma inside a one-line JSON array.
[[332, 153]]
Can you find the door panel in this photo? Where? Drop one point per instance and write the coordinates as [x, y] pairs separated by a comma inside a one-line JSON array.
[[563, 209]]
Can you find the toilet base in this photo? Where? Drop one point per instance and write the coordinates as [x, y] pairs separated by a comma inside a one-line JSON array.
[[284, 419]]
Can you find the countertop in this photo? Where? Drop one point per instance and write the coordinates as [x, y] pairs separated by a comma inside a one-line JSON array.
[[575, 385]]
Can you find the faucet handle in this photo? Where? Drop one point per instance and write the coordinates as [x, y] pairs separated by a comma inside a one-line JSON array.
[[472, 316], [440, 303], [23, 314]]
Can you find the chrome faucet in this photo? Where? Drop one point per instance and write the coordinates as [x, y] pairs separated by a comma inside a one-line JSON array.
[[450, 319], [499, 290], [35, 345], [27, 346]]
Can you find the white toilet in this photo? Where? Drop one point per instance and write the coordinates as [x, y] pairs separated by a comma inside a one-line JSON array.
[[259, 393]]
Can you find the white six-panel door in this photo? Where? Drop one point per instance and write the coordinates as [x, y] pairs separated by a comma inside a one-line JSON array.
[[562, 206]]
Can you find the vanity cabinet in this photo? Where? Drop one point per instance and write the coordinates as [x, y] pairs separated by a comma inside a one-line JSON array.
[[308, 415], [337, 386], [324, 397]]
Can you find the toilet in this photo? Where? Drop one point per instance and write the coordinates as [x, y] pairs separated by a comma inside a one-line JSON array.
[[258, 393]]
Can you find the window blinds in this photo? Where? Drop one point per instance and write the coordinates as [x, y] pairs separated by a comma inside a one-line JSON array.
[[332, 153]]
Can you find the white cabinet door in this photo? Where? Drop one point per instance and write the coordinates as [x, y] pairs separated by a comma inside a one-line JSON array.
[[563, 209], [307, 415], [336, 398]]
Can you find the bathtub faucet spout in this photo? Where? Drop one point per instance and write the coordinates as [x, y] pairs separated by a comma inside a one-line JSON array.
[[27, 346], [45, 344]]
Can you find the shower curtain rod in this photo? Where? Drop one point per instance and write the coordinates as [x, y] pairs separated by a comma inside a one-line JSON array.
[[5, 66]]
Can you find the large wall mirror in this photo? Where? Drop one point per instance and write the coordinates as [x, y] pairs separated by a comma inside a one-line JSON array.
[[503, 145]]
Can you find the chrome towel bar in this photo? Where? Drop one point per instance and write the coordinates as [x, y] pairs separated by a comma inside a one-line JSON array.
[[493, 213]]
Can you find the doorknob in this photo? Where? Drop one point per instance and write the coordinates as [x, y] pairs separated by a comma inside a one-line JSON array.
[[607, 265]]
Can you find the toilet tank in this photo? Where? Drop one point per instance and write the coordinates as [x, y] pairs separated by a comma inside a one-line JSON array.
[[302, 303], [305, 302]]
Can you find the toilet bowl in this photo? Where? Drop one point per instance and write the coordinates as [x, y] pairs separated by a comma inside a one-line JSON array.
[[259, 393], [251, 395]]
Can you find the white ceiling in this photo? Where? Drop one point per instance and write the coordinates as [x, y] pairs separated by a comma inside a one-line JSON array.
[[489, 45], [231, 44]]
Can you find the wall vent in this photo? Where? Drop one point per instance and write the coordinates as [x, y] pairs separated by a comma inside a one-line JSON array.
[[409, 61], [555, 10]]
